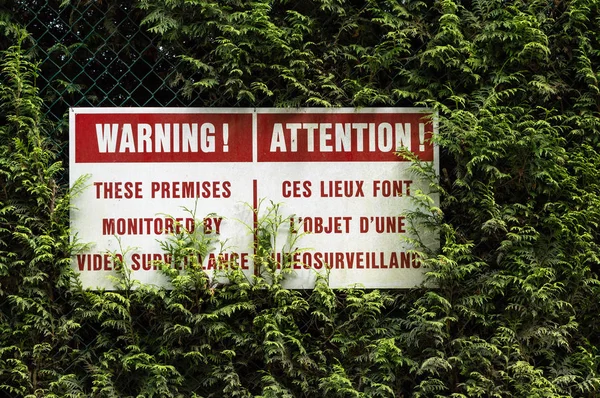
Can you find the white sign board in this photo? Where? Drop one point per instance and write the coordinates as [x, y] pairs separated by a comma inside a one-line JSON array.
[[342, 189]]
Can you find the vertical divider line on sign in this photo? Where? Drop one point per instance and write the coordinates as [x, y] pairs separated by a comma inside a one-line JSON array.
[[255, 186], [255, 221]]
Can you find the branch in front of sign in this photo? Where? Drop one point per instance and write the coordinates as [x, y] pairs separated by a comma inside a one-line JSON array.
[[425, 219], [275, 242], [76, 189], [185, 249], [122, 279]]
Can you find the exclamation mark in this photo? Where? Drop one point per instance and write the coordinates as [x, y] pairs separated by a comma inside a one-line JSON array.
[[225, 137], [422, 137]]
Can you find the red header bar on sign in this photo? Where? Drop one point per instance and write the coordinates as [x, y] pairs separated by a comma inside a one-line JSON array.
[[163, 137], [342, 137]]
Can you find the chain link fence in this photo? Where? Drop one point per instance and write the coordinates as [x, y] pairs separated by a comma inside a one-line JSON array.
[[96, 54]]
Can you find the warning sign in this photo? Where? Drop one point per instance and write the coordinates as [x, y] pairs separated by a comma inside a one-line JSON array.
[[333, 174]]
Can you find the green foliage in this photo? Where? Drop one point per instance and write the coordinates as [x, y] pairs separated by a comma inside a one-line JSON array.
[[510, 305], [34, 236]]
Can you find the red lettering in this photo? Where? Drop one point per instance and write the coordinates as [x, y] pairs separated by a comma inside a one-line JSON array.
[[342, 189], [226, 190], [190, 189], [329, 225], [118, 190], [386, 188], [296, 189], [206, 191]]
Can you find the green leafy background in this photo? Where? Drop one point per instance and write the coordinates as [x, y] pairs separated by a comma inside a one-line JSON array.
[[515, 308]]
